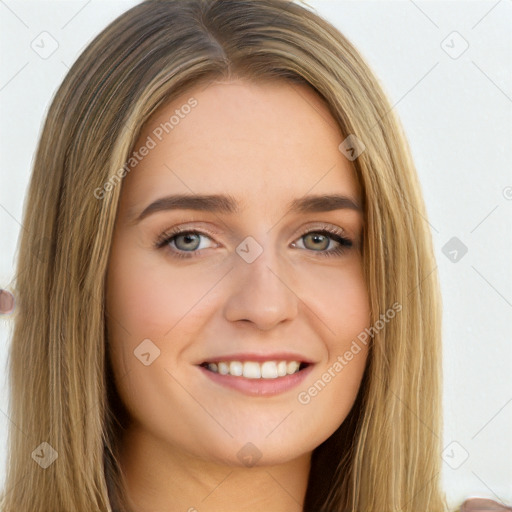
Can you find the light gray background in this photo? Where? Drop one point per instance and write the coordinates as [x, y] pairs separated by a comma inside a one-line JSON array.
[[457, 113]]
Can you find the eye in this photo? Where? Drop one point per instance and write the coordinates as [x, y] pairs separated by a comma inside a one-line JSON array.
[[186, 243], [321, 239], [182, 242]]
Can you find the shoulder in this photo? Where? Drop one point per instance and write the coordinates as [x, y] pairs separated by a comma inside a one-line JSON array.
[[484, 505]]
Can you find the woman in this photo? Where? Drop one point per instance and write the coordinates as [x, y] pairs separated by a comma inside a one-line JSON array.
[[290, 357]]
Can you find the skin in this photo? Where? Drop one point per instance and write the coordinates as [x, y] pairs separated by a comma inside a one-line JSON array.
[[264, 144]]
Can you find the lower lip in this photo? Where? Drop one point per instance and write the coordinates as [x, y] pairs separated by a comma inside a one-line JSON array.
[[259, 387]]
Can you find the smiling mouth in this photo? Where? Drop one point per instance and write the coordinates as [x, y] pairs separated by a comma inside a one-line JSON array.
[[255, 370]]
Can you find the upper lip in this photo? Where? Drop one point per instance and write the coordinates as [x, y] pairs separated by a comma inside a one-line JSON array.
[[258, 357]]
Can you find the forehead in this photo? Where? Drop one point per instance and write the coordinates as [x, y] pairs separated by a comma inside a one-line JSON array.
[[263, 142]]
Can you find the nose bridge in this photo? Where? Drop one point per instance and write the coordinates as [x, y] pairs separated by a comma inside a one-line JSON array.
[[259, 292]]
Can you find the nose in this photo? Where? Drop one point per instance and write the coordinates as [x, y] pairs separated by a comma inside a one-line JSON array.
[[260, 292]]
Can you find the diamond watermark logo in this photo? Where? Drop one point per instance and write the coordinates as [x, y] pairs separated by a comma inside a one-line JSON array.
[[249, 455], [44, 455], [249, 249], [45, 45], [147, 352], [454, 45], [454, 249], [352, 147], [455, 455]]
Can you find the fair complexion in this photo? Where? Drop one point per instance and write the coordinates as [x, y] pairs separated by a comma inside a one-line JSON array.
[[263, 145]]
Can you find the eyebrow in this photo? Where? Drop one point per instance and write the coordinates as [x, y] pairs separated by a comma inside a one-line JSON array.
[[221, 203]]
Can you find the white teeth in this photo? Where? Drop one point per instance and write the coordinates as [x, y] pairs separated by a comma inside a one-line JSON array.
[[269, 370], [252, 371], [292, 367], [255, 370], [223, 368], [236, 368], [281, 368]]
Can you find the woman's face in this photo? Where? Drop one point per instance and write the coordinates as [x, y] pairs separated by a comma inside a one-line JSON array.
[[244, 287]]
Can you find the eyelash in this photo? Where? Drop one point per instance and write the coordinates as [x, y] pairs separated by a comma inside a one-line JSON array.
[[335, 234]]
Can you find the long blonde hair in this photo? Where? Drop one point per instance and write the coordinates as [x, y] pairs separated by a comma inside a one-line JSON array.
[[386, 455]]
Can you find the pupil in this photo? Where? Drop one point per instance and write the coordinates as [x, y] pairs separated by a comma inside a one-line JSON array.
[[188, 238], [318, 238]]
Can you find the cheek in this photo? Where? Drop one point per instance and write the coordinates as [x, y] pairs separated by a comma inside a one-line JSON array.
[[340, 298], [145, 300], [148, 296], [344, 310], [349, 314], [348, 307]]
